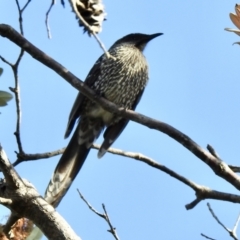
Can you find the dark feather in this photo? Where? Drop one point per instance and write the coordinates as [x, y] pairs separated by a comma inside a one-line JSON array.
[[79, 102], [120, 79], [113, 131], [67, 169]]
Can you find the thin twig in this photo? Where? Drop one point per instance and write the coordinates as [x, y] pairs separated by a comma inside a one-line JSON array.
[[136, 156], [235, 169], [16, 89], [18, 60], [207, 237], [221, 169], [20, 12], [215, 217], [8, 171], [112, 229], [63, 3], [201, 192], [89, 205], [24, 157], [47, 19], [102, 46], [27, 202], [104, 216], [232, 233], [6, 61], [236, 226], [20, 17], [91, 31], [212, 151], [25, 6]]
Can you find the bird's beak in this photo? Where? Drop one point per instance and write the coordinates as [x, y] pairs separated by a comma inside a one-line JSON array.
[[152, 36], [148, 38], [143, 42]]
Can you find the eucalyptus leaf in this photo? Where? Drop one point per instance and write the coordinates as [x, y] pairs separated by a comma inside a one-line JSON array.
[[4, 98], [237, 31], [1, 71]]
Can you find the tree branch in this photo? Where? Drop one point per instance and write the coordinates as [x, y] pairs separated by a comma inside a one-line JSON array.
[[232, 233], [220, 168], [47, 19], [104, 216], [24, 157], [201, 192], [203, 235], [14, 67], [22, 198]]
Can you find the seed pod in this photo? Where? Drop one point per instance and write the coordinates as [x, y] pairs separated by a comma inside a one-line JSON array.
[[92, 11]]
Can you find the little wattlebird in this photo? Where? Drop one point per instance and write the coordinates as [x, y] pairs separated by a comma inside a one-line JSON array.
[[121, 79]]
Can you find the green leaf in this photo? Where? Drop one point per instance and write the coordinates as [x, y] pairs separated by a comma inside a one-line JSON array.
[[4, 98], [1, 71]]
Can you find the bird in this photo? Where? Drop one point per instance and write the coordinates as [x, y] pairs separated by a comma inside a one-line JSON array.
[[121, 79]]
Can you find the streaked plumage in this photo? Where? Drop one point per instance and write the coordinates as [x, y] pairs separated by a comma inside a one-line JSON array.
[[122, 80]]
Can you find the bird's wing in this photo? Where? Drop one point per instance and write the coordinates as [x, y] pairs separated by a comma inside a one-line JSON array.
[[113, 131], [79, 102], [75, 154]]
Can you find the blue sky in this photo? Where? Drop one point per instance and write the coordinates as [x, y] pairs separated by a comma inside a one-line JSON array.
[[194, 86]]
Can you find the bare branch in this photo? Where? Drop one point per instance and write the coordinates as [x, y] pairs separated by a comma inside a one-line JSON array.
[[20, 12], [236, 226], [207, 237], [16, 89], [193, 204], [212, 151], [22, 198], [24, 157], [89, 205], [6, 61], [112, 229], [25, 6], [215, 217], [202, 192], [215, 154], [104, 216], [9, 172], [152, 163], [20, 17], [47, 19], [232, 233], [220, 168], [91, 31], [234, 168]]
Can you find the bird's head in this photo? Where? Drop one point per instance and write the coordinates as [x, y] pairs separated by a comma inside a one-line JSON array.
[[138, 40]]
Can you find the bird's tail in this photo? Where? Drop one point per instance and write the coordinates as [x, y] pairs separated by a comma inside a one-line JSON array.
[[72, 160]]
